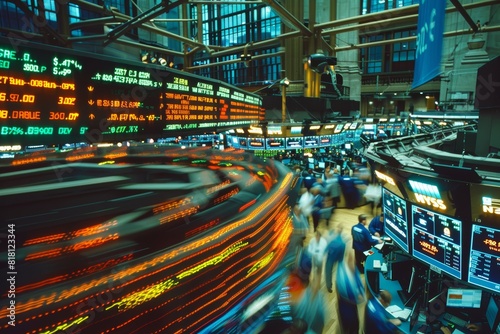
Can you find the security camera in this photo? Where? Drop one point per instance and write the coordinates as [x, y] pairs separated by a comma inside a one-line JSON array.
[[318, 62]]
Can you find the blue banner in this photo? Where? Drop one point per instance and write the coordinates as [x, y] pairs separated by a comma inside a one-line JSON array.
[[429, 41]]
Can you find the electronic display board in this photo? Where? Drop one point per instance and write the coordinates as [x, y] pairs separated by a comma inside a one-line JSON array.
[[243, 142], [485, 204], [484, 258], [311, 141], [395, 218], [325, 140], [256, 143], [275, 143], [437, 240], [294, 142], [52, 95]]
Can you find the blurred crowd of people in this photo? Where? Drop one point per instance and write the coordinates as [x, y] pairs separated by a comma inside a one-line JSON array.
[[333, 255]]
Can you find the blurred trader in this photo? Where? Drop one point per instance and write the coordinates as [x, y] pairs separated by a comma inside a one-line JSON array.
[[318, 204], [362, 241], [317, 249], [376, 226], [350, 293], [376, 321], [334, 254]]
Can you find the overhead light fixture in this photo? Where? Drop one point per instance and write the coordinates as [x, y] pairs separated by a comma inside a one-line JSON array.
[[285, 82], [162, 61], [246, 57]]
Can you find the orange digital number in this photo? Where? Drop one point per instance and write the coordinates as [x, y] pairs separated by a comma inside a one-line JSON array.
[[70, 101]]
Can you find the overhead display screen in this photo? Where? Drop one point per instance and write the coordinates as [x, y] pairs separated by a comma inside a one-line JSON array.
[[437, 240], [54, 96], [484, 265], [395, 218]]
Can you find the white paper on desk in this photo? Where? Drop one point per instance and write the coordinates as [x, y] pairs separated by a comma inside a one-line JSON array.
[[368, 252], [456, 331], [398, 312], [393, 308], [379, 246]]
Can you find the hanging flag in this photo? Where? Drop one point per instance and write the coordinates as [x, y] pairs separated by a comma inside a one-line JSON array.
[[429, 41]]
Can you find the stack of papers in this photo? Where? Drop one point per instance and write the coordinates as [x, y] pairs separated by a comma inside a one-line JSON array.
[[376, 264], [398, 312]]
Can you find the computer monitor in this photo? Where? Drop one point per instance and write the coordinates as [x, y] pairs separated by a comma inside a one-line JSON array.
[[347, 146], [395, 218], [464, 298], [373, 279], [484, 258], [321, 164], [437, 240], [492, 317]]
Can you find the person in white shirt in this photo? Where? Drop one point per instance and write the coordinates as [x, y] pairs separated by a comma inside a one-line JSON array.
[[306, 202], [317, 249]]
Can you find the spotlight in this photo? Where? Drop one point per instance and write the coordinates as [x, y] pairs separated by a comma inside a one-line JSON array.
[[153, 60], [285, 82], [162, 61], [246, 57], [144, 56]]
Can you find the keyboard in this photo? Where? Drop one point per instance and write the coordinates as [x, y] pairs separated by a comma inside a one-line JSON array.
[[455, 320]]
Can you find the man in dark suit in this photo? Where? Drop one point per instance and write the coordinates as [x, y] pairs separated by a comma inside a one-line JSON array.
[[362, 241]]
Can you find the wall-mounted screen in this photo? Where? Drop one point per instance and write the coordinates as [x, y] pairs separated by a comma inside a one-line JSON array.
[[395, 218], [437, 240], [256, 143], [293, 142], [311, 141], [243, 142], [325, 140], [275, 143], [484, 265]]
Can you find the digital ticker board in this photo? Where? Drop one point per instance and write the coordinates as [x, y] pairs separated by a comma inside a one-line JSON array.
[[54, 96]]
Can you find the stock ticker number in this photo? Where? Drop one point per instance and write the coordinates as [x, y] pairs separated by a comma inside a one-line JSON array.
[[22, 98]]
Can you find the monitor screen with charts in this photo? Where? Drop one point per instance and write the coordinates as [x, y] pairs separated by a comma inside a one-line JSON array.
[[464, 298], [437, 240], [484, 263], [395, 218]]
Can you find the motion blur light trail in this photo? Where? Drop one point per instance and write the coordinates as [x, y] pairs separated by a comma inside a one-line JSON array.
[[161, 246]]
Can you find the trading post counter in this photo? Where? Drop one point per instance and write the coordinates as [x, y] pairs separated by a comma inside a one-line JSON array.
[[377, 279]]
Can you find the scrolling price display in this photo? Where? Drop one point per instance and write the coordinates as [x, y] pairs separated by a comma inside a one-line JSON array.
[[484, 266], [56, 96], [437, 240]]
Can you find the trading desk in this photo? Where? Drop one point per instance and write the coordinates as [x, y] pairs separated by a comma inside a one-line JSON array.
[[385, 284]]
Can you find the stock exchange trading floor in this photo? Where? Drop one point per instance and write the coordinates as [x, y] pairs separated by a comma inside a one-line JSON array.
[[145, 239]]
